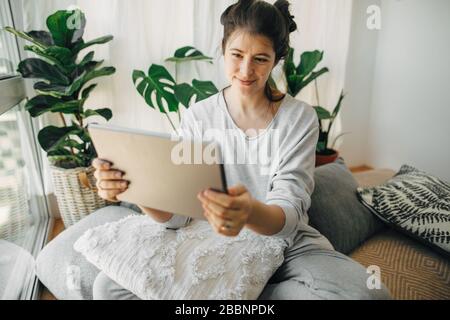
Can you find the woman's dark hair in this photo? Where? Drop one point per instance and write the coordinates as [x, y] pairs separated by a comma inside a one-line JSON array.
[[259, 17]]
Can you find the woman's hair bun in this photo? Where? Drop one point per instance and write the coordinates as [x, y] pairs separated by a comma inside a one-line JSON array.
[[283, 6]]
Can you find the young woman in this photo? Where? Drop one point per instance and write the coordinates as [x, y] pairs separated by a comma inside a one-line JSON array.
[[275, 203]]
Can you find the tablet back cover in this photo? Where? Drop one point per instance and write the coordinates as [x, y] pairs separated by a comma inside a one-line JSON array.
[[156, 180]]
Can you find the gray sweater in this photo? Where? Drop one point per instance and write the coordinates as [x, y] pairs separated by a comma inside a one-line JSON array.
[[275, 164]]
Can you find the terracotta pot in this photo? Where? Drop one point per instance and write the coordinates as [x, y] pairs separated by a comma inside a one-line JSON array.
[[329, 157]]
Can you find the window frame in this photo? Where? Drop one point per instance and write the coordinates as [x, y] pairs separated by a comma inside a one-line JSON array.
[[13, 92]]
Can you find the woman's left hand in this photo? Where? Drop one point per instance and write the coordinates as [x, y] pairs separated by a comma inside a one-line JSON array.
[[227, 213]]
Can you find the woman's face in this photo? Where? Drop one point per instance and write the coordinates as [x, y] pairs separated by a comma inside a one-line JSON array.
[[249, 59]]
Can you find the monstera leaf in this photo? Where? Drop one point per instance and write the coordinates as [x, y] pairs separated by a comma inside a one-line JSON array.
[[158, 83], [200, 89], [188, 53]]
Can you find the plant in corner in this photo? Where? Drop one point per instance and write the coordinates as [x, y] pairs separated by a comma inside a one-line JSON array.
[[324, 153], [300, 76], [63, 89]]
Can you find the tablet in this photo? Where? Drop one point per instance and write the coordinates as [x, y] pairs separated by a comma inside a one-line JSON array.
[[159, 178]]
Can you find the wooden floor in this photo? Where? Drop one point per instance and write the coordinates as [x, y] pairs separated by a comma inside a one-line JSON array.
[[59, 227]]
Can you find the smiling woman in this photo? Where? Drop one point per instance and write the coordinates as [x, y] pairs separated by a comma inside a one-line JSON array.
[[267, 205]]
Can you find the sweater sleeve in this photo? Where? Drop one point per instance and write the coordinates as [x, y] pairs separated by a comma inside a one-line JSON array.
[[187, 131], [293, 183]]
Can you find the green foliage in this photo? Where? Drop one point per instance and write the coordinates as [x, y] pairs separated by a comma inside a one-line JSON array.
[[160, 90], [62, 86], [325, 115], [298, 77]]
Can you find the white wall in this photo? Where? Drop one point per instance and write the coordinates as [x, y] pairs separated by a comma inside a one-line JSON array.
[[355, 110], [410, 111]]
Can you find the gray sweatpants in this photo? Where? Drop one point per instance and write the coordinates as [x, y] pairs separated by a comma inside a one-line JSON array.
[[312, 274]]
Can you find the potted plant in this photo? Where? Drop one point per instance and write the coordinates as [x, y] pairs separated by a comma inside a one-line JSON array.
[[159, 81], [325, 154], [63, 88], [300, 76]]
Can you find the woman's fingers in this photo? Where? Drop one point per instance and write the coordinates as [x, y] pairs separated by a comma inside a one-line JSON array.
[[101, 164], [113, 185], [108, 174], [221, 226], [109, 195]]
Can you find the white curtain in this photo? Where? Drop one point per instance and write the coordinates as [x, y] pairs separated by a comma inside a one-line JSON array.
[[148, 31]]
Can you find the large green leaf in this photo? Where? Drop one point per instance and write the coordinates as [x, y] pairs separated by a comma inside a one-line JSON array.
[[322, 113], [86, 91], [313, 76], [52, 137], [66, 27], [158, 82], [301, 76], [44, 103], [308, 62], [200, 89], [62, 57], [77, 84], [27, 37], [338, 105], [188, 53], [105, 71], [58, 90], [42, 36], [40, 69], [40, 104], [105, 113], [82, 45], [87, 58]]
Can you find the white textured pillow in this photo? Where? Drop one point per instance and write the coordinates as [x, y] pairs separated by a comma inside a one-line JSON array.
[[189, 263]]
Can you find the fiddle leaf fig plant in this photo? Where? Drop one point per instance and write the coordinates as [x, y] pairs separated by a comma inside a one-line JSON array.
[[62, 85], [161, 91]]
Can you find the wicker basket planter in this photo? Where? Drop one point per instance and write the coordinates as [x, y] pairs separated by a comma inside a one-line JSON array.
[[76, 193], [15, 215]]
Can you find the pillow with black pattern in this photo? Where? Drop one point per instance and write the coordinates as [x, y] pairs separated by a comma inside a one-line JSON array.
[[414, 202]]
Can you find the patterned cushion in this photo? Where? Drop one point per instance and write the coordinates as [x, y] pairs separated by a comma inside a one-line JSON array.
[[413, 202]]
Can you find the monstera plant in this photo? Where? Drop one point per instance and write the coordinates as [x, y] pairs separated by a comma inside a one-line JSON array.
[[63, 85], [161, 91]]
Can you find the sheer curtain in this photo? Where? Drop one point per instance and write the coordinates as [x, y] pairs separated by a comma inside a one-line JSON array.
[[148, 31]]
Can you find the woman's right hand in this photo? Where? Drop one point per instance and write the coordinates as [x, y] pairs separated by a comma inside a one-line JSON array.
[[109, 181]]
